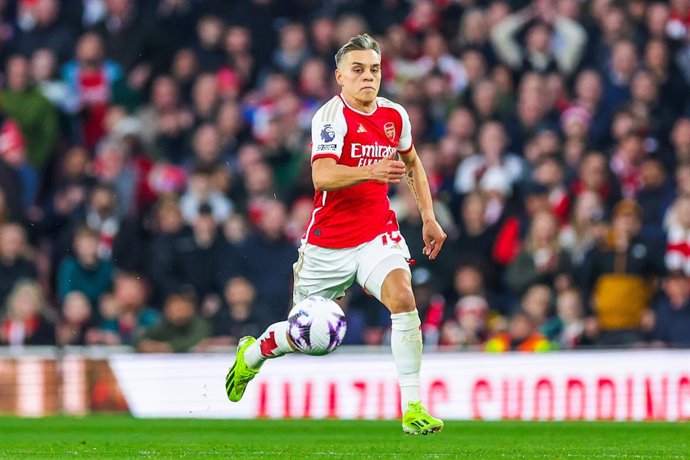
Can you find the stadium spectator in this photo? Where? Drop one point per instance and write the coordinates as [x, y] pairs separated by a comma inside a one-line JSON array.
[[23, 101], [180, 330], [436, 58], [626, 163], [677, 255], [594, 176], [550, 172], [585, 227], [589, 96], [240, 72], [164, 109], [15, 264], [184, 69], [269, 246], [672, 312], [91, 79], [474, 32], [201, 191], [618, 276], [76, 320], [124, 314], [125, 32], [166, 227], [477, 235], [541, 260], [75, 168], [682, 177], [206, 148], [655, 198], [532, 113], [292, 51], [208, 49], [85, 271], [622, 66], [514, 227], [680, 141], [47, 31], [468, 327], [646, 100], [204, 103], [238, 316], [568, 329], [552, 42], [537, 303], [656, 20], [485, 101], [114, 167], [119, 239], [44, 73], [232, 129], [492, 157], [521, 336], [672, 87], [203, 259], [28, 320]]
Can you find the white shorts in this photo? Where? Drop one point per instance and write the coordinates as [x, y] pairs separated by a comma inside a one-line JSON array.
[[330, 272]]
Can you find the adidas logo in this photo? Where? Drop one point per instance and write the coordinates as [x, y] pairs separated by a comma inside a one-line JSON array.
[[361, 129]]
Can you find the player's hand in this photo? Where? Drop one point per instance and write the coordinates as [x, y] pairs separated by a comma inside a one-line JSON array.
[[434, 237], [388, 170]]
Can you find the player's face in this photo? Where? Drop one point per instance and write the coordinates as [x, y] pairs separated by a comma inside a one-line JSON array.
[[359, 74]]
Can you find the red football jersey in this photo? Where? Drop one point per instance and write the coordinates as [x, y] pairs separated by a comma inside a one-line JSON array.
[[354, 215]]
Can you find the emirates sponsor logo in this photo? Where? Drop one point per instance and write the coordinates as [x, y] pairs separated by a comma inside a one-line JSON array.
[[370, 153]]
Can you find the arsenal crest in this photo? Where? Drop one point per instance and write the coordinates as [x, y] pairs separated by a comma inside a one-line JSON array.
[[389, 129]]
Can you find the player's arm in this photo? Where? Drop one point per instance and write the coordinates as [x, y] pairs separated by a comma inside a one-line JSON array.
[[327, 174], [415, 176]]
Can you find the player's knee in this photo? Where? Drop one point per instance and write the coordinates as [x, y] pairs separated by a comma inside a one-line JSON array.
[[401, 300]]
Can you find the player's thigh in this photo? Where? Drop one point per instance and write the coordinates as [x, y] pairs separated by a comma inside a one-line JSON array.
[[322, 271], [390, 283], [384, 255], [396, 291]]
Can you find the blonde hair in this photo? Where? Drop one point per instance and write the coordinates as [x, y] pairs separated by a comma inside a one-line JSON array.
[[357, 43], [554, 244], [35, 290]]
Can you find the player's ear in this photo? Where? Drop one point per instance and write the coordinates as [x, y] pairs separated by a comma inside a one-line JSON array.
[[338, 76]]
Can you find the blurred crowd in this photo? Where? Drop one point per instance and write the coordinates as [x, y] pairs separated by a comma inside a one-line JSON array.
[[155, 178]]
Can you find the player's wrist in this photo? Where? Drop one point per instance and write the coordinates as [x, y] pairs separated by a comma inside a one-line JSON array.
[[368, 172], [428, 217]]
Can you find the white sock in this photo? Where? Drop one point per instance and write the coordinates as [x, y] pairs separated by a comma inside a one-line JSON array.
[[406, 343], [271, 344]]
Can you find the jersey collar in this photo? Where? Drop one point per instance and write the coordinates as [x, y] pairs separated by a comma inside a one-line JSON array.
[[358, 111]]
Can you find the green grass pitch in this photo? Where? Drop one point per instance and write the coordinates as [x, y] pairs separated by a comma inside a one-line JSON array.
[[126, 437]]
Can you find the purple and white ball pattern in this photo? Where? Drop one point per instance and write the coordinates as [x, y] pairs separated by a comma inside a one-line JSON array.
[[317, 325]]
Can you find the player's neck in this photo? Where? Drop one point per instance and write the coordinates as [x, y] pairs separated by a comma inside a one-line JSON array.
[[360, 106]]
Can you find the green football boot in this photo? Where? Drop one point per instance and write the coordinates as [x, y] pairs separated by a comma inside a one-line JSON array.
[[239, 374], [417, 420]]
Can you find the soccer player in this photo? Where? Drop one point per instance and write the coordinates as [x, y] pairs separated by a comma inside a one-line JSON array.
[[353, 234]]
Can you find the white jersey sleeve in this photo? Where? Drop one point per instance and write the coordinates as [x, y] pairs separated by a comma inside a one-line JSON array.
[[328, 129], [405, 143]]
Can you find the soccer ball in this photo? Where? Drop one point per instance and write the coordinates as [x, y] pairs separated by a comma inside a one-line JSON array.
[[316, 325]]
